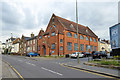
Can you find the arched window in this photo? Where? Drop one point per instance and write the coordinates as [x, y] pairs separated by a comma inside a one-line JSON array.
[[86, 38], [75, 35], [95, 40], [39, 47], [90, 39], [69, 34], [81, 37], [40, 37]]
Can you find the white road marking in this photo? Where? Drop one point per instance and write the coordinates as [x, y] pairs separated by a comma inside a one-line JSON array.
[[30, 63], [51, 71], [20, 60]]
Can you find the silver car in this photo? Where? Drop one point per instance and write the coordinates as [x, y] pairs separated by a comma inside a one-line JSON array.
[[75, 55]]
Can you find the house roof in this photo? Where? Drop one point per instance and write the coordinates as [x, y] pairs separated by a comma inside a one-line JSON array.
[[81, 29], [27, 38], [30, 38]]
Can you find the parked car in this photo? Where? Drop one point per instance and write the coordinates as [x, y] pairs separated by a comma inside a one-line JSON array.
[[75, 55], [86, 54], [67, 55], [99, 55], [31, 54]]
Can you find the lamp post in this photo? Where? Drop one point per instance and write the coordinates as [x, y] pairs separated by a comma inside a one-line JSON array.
[[77, 30]]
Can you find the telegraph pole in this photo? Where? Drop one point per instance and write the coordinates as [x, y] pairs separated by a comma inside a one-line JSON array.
[[77, 30]]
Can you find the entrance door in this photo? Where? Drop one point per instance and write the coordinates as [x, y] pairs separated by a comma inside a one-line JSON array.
[[44, 50]]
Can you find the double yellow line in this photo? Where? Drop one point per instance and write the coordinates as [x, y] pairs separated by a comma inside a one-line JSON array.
[[15, 70]]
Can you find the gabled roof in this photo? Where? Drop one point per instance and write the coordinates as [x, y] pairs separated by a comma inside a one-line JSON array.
[[81, 29]]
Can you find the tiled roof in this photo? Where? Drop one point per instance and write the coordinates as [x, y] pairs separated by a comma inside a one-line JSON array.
[[81, 29]]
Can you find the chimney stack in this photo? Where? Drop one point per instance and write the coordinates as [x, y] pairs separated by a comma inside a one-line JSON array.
[[32, 35]]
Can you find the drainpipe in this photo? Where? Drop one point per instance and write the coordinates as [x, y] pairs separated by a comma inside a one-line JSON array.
[[58, 44]]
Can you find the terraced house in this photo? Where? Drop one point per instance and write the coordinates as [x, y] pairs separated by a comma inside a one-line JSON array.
[[28, 44], [60, 38]]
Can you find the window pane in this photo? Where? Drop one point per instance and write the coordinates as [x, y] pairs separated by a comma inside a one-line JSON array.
[[61, 41], [75, 35], [53, 34], [40, 37], [81, 47], [95, 48], [86, 47], [87, 38], [91, 48], [61, 48], [39, 47], [53, 46], [90, 39], [75, 46], [69, 34], [95, 40], [81, 37], [69, 46]]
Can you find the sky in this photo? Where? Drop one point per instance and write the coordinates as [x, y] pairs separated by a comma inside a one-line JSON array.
[[22, 17]]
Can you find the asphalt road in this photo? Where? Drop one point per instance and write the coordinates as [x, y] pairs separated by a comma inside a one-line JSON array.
[[44, 68]]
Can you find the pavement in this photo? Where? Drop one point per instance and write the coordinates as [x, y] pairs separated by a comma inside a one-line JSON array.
[[40, 67], [7, 71]]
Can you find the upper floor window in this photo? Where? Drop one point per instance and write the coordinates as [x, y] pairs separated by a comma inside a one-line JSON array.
[[95, 40], [61, 40], [54, 26], [86, 38], [53, 46], [50, 28], [53, 33], [75, 35], [90, 39], [69, 34], [40, 37], [81, 37]]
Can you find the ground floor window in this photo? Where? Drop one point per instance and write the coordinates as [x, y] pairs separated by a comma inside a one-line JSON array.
[[81, 47], [39, 47], [95, 48], [61, 47], [86, 47], [75, 46], [91, 48], [69, 45]]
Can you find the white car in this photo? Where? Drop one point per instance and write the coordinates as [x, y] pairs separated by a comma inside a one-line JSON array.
[[75, 55]]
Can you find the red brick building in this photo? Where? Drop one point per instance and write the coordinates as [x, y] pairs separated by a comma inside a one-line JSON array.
[[28, 44], [60, 38]]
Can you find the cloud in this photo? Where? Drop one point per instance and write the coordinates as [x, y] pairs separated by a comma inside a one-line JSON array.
[[26, 16]]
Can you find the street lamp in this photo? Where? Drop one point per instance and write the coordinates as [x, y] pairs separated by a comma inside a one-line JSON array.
[[77, 30]]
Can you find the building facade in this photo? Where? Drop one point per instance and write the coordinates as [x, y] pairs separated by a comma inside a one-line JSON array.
[[16, 44], [9, 44], [2, 47], [28, 44], [115, 38], [60, 38], [104, 45]]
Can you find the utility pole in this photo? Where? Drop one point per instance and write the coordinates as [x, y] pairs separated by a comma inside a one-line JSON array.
[[77, 30]]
